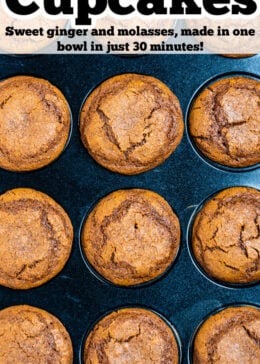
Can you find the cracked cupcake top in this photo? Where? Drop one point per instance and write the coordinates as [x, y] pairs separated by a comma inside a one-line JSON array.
[[29, 335], [34, 123], [226, 236], [131, 336], [35, 238], [230, 336], [131, 236], [224, 122], [131, 123]]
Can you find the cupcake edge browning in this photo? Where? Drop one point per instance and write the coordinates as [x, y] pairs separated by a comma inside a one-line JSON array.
[[215, 335], [135, 256], [131, 123], [219, 126], [30, 334], [37, 254], [225, 233], [35, 123], [135, 332]]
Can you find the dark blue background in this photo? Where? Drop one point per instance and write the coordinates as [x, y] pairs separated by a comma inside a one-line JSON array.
[[75, 296]]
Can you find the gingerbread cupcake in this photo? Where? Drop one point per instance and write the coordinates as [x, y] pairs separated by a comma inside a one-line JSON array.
[[131, 335], [230, 336], [237, 55], [225, 236], [224, 122], [131, 123], [34, 123], [30, 335], [131, 237], [35, 238]]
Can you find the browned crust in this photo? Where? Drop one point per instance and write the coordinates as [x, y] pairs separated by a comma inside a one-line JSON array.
[[34, 123], [226, 236], [131, 123], [237, 55], [131, 335], [30, 335], [224, 122], [36, 237], [131, 236], [230, 336]]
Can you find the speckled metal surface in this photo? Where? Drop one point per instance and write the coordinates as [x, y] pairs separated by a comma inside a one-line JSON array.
[[184, 296]]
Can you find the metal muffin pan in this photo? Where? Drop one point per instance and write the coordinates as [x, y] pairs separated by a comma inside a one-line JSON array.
[[216, 311], [183, 295], [193, 99], [192, 255], [107, 281], [167, 322]]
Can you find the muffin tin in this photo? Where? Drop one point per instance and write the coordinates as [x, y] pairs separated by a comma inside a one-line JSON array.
[[217, 311], [192, 254], [96, 249], [197, 93], [169, 324], [183, 296]]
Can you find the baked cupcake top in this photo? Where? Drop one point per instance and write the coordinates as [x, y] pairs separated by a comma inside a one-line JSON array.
[[35, 238], [225, 235], [131, 236], [131, 335], [29, 335], [34, 123], [224, 122], [131, 123], [230, 336]]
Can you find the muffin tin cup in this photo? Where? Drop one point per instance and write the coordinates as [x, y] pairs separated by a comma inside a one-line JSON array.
[[167, 322], [70, 128], [104, 280], [142, 74], [192, 256], [196, 150], [212, 313]]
